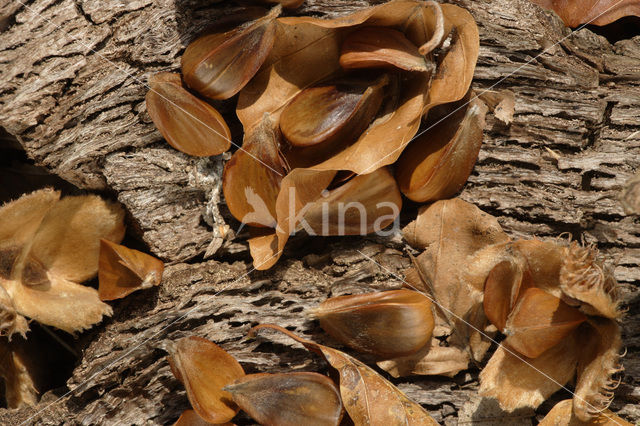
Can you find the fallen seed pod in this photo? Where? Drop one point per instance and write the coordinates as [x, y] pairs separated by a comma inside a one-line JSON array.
[[327, 114], [205, 368], [122, 271], [219, 65], [288, 399], [380, 47], [386, 324], [437, 164], [505, 282], [191, 418], [189, 124], [540, 321]]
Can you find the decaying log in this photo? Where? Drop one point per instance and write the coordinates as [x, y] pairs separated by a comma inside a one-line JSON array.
[[72, 88]]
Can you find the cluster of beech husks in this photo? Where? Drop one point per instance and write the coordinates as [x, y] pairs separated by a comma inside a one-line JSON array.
[[48, 246], [327, 106], [553, 300]]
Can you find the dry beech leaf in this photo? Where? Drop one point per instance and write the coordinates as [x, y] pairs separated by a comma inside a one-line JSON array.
[[288, 399], [387, 324], [191, 418], [295, 65], [562, 415], [123, 270], [219, 65], [205, 368], [375, 47], [304, 196], [48, 245], [189, 124], [451, 232], [540, 321], [596, 12], [367, 397], [439, 161]]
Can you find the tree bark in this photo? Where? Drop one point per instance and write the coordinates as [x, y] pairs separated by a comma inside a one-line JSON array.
[[72, 94]]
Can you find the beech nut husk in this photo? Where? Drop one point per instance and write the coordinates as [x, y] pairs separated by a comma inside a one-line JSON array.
[[288, 399], [205, 368], [380, 47], [189, 124], [219, 65], [333, 113], [387, 324], [122, 270]]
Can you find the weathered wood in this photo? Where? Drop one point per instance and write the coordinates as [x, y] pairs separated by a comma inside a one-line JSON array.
[[72, 93]]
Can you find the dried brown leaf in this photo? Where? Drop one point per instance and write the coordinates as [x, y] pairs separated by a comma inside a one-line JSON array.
[[453, 234], [189, 124], [205, 368], [288, 399], [123, 270], [367, 397]]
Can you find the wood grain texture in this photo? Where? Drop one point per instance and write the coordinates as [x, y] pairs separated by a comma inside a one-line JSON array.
[[72, 86]]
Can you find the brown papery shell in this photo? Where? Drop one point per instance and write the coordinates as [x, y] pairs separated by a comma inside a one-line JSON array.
[[504, 284], [540, 321], [386, 324], [189, 124], [252, 177], [438, 162], [288, 399], [327, 114], [123, 270], [380, 47], [205, 368], [219, 65]]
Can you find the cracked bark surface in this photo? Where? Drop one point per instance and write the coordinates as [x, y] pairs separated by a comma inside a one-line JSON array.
[[72, 92]]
